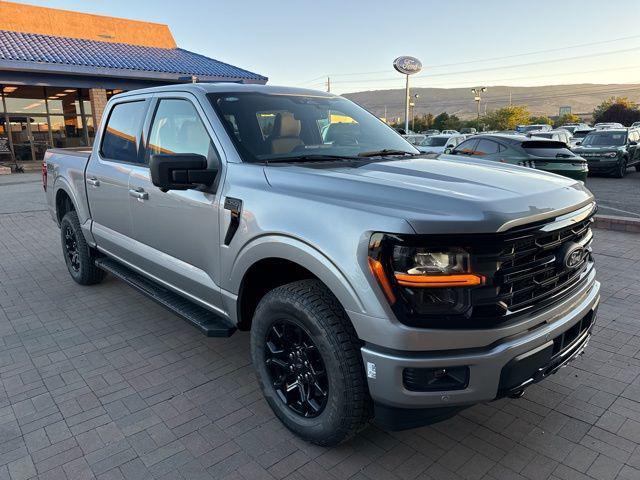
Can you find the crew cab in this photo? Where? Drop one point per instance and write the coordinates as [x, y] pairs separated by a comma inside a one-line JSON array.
[[376, 283]]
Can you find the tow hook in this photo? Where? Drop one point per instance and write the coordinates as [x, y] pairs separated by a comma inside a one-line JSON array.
[[518, 394]]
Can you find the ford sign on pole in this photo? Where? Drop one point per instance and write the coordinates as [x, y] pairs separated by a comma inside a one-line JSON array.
[[407, 66]]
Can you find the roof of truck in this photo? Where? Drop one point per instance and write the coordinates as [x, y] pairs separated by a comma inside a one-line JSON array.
[[224, 87]]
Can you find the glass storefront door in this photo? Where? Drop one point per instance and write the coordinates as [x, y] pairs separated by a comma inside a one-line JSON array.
[[30, 136]]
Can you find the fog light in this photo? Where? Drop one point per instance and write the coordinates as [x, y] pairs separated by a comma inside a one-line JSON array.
[[435, 379]]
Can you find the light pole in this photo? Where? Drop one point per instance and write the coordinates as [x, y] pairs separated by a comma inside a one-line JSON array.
[[476, 92], [407, 66], [413, 112]]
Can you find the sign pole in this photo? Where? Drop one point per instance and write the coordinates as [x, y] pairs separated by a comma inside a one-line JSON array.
[[407, 66], [406, 107]]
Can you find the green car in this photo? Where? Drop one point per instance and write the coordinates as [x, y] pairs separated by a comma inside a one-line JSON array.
[[548, 155], [611, 151]]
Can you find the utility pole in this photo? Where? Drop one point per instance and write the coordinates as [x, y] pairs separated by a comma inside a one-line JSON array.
[[477, 91], [385, 115], [509, 97], [413, 111], [328, 84]]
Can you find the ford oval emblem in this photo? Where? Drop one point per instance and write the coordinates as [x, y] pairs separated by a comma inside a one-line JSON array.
[[574, 257], [407, 65]]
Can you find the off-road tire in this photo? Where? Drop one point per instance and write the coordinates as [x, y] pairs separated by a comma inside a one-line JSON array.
[[621, 169], [310, 304], [87, 273], [637, 167]]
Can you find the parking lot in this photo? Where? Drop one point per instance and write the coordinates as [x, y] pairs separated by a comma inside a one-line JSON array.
[[101, 382]]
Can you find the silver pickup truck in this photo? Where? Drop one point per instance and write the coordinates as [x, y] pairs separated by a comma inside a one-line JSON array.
[[376, 283]]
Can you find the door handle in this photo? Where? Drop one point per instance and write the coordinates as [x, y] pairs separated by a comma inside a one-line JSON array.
[[139, 193], [93, 181]]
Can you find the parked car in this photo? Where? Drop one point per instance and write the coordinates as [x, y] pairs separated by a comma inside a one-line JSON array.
[[572, 127], [375, 283], [430, 132], [450, 132], [539, 127], [541, 154], [607, 125], [438, 143], [611, 151], [635, 125], [579, 134], [414, 139], [468, 131], [560, 135]]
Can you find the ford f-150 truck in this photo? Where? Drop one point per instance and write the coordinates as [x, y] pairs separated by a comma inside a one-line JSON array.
[[376, 284]]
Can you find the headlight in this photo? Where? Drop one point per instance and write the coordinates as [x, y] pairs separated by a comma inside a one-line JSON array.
[[430, 280]]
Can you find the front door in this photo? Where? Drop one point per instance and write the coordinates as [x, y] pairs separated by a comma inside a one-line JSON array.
[[177, 231]]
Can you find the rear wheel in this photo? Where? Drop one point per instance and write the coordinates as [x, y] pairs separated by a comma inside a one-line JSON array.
[[78, 256], [307, 358]]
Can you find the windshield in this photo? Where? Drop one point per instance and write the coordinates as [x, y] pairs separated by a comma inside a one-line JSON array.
[[434, 142], [581, 133], [605, 139], [267, 127], [543, 135]]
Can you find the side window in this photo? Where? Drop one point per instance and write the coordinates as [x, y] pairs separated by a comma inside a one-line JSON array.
[[177, 128], [467, 147], [120, 138], [486, 147]]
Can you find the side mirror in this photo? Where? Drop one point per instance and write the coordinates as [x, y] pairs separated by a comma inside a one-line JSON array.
[[578, 143], [448, 150], [181, 171], [633, 143]]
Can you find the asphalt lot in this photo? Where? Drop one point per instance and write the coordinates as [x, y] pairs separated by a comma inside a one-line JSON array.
[[617, 196], [100, 382]]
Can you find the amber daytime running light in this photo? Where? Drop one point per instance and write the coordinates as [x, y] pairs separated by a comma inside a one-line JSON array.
[[419, 267]]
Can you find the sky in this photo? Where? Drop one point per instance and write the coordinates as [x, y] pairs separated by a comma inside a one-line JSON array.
[[354, 42]]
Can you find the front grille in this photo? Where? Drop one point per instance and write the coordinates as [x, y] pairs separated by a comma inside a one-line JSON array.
[[532, 267]]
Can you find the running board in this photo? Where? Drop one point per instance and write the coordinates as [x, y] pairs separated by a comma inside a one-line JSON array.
[[207, 322]]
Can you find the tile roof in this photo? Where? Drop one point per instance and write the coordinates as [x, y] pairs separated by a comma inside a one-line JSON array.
[[83, 54]]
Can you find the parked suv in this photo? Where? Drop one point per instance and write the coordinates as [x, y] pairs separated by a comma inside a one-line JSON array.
[[533, 152], [611, 151], [376, 283]]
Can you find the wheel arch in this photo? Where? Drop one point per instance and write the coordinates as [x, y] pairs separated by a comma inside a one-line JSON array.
[[276, 260]]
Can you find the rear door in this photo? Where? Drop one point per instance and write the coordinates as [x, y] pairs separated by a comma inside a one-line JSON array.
[[177, 232], [107, 176], [634, 151]]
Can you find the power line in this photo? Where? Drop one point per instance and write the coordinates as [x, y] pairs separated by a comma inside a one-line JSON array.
[[487, 59]]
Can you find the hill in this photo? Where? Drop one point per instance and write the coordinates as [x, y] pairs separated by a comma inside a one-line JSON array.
[[543, 100]]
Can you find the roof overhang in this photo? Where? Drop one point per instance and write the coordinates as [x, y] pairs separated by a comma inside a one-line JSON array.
[[56, 69]]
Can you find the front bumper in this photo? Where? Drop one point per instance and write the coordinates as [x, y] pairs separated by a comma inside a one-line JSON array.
[[605, 165], [385, 367]]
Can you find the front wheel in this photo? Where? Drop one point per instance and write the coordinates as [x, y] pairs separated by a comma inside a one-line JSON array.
[[78, 256], [621, 169], [308, 362]]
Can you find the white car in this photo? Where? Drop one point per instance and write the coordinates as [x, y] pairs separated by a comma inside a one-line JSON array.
[[607, 125], [450, 132], [439, 143]]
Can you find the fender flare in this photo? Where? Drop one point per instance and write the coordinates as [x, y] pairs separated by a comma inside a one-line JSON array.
[[61, 183], [299, 252]]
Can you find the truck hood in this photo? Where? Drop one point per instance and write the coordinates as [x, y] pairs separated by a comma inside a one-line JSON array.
[[443, 195]]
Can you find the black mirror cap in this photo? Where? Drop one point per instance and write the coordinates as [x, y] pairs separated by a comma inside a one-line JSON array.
[[181, 171], [633, 143]]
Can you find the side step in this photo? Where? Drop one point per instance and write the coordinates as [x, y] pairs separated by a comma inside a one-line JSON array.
[[207, 322]]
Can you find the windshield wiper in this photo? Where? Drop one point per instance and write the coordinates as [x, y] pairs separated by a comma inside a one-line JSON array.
[[310, 158], [386, 153]]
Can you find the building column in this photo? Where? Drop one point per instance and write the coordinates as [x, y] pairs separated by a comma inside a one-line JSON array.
[[98, 99]]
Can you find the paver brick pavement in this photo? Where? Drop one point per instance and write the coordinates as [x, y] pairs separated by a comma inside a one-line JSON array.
[[100, 382]]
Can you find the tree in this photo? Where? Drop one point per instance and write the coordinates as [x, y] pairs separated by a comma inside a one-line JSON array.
[[567, 118], [440, 121], [617, 109], [507, 118], [542, 119]]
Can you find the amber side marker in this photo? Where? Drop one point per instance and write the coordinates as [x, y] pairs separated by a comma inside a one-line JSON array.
[[439, 281], [378, 271]]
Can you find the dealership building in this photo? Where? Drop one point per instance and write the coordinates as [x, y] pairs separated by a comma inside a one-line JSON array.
[[58, 69]]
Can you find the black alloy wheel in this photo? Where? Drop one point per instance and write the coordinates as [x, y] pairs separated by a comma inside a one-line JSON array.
[[296, 369], [71, 248]]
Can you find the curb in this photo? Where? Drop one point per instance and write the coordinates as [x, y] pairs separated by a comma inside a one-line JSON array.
[[620, 224]]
